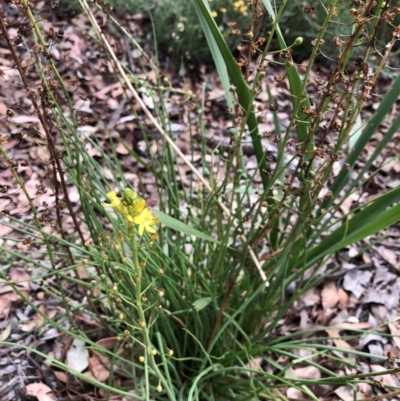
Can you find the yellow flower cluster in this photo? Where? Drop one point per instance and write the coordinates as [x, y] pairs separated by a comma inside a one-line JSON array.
[[134, 211], [240, 6]]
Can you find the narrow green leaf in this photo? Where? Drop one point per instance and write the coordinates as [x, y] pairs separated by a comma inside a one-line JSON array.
[[244, 94], [180, 226], [344, 180], [218, 59], [374, 218], [384, 107], [201, 303], [356, 132]]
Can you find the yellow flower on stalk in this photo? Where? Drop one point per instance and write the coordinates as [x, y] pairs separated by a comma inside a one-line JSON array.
[[145, 220], [214, 14], [115, 202], [240, 6], [134, 211]]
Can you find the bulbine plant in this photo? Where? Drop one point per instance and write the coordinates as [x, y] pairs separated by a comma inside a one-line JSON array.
[[191, 293], [131, 286]]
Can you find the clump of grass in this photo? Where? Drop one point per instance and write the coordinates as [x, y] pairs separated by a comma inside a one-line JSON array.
[[193, 309]]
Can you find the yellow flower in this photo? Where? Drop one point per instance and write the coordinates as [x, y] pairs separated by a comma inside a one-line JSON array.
[[115, 202], [133, 210], [240, 6], [140, 205], [145, 220], [214, 14]]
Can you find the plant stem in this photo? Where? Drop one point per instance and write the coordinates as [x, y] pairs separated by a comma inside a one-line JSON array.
[[149, 357]]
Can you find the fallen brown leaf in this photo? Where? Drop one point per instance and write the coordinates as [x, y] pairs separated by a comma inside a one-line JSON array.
[[343, 299], [330, 295], [308, 372], [335, 334], [40, 391], [98, 370]]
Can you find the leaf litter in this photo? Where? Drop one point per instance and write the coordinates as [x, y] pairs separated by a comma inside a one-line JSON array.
[[362, 294]]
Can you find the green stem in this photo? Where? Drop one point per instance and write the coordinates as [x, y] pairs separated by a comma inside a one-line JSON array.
[[149, 357]]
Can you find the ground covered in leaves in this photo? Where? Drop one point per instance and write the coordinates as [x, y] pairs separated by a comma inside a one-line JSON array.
[[362, 294]]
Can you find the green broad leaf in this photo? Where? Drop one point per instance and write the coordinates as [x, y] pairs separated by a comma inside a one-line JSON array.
[[181, 227], [201, 303], [343, 178], [356, 132], [245, 96], [218, 59], [374, 218], [177, 225]]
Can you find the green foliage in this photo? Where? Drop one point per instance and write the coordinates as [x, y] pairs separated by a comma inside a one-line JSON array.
[[194, 308], [176, 26], [178, 31]]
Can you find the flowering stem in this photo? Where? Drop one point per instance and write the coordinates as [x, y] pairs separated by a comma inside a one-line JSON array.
[[139, 307], [149, 356]]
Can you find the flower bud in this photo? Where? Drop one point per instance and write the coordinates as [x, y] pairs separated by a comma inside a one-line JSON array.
[[298, 41]]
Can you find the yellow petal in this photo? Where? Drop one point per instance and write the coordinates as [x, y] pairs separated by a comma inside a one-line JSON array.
[[115, 202], [140, 205], [141, 230], [111, 195]]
